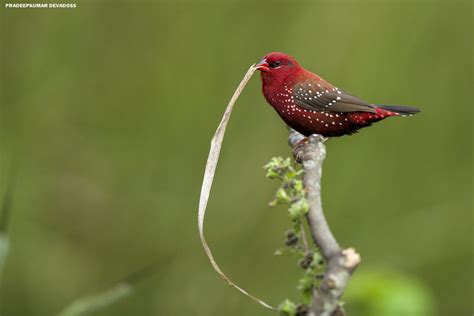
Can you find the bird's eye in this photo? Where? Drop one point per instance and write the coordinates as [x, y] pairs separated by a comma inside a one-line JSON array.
[[275, 64]]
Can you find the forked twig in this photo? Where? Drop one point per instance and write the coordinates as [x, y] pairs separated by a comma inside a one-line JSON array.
[[339, 263]]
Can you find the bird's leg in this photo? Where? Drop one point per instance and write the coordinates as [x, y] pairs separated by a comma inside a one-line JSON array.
[[299, 146], [297, 149]]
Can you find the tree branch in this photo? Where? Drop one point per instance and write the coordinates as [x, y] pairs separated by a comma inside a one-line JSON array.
[[339, 263]]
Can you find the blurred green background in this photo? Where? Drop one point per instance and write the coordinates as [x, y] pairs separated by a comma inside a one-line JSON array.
[[110, 108]]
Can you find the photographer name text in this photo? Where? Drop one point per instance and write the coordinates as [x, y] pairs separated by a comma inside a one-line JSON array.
[[40, 5]]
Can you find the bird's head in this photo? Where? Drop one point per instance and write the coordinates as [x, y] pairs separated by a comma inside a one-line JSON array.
[[277, 65]]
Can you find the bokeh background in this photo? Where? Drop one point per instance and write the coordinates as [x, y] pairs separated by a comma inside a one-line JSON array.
[[108, 110]]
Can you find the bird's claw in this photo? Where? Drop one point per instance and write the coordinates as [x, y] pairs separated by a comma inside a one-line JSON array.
[[298, 149]]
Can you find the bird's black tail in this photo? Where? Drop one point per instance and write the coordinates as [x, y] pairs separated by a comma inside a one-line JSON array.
[[401, 109]]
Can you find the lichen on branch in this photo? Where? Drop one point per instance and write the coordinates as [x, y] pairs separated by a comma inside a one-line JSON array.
[[291, 193], [327, 268]]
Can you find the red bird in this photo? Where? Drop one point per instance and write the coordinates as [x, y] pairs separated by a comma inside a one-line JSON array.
[[311, 105]]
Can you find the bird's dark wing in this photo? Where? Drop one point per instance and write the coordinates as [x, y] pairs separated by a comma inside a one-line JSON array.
[[322, 97]]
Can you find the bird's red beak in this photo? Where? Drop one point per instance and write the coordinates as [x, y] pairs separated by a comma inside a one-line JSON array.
[[263, 65]]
